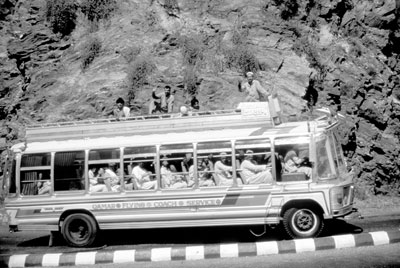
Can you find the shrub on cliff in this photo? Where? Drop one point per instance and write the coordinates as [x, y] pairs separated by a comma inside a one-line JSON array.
[[90, 51], [138, 73], [288, 8], [62, 15], [96, 10], [240, 57], [192, 49]]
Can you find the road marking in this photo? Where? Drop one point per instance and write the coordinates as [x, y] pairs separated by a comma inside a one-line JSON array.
[[380, 238], [51, 259], [123, 256], [160, 254], [195, 253]]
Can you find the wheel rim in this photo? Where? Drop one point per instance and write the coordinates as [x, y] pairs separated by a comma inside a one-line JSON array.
[[304, 221], [79, 230]]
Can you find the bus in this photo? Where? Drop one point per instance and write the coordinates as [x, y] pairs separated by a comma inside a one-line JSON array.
[[215, 168]]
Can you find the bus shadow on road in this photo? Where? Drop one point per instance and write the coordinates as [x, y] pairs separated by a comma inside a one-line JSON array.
[[175, 237]]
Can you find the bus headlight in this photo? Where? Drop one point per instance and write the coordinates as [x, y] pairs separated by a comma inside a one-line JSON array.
[[336, 195]]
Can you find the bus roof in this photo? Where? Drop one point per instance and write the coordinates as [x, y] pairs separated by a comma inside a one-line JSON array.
[[160, 129]]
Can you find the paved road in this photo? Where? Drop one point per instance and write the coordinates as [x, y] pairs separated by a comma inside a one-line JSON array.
[[26, 249]]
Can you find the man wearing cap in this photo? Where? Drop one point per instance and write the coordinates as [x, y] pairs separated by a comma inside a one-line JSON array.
[[223, 174], [252, 173], [253, 89]]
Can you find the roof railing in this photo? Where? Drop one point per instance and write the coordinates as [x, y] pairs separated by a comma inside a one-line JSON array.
[[136, 118]]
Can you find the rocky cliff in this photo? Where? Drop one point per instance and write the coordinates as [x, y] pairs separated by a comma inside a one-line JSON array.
[[338, 53]]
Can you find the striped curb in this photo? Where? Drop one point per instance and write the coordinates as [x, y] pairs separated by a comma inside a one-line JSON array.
[[201, 252]]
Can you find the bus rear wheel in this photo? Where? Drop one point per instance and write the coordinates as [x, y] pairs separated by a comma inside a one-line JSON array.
[[79, 230], [302, 222]]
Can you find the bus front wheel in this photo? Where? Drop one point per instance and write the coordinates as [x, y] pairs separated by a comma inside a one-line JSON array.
[[79, 230], [302, 222]]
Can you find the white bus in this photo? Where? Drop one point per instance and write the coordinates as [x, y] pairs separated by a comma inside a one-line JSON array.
[[207, 169]]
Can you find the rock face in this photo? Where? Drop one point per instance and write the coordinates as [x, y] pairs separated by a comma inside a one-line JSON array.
[[338, 53]]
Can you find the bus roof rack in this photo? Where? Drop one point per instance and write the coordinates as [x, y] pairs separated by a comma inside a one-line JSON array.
[[245, 115]]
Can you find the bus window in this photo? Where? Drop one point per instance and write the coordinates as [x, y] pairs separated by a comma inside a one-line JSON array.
[[325, 165], [35, 174], [139, 165], [178, 159], [293, 158], [252, 161], [339, 153], [104, 170], [214, 167], [69, 171], [10, 172]]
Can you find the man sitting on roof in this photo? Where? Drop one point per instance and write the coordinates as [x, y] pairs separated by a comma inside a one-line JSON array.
[[121, 110]]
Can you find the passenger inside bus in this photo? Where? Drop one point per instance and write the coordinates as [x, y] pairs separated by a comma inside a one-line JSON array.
[[295, 164], [168, 179], [44, 187], [142, 177], [110, 177], [205, 173], [94, 184], [223, 172], [253, 173]]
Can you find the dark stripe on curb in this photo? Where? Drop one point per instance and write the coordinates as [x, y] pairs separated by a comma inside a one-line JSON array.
[[363, 240], [212, 251], [286, 247], [104, 257], [324, 243], [394, 236], [33, 260], [67, 259], [178, 254], [248, 249], [4, 261]]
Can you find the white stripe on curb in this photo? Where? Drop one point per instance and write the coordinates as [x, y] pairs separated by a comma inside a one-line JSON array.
[[303, 245], [161, 254], [124, 256], [229, 250], [344, 241], [17, 260], [51, 259], [380, 238], [85, 258], [267, 248]]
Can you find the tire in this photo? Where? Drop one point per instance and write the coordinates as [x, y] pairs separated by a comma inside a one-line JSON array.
[[302, 222], [79, 230]]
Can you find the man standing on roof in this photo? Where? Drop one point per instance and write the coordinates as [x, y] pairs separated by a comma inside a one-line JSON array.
[[121, 110], [253, 89], [165, 100]]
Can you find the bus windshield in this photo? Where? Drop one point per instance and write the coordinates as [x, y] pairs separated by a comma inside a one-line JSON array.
[[325, 163]]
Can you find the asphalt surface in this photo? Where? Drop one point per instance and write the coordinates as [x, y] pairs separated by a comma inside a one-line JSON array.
[[176, 250]]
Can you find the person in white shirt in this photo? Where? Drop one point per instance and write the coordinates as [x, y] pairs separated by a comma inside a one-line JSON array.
[[121, 111], [142, 178], [223, 175], [252, 173], [253, 89], [94, 185]]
